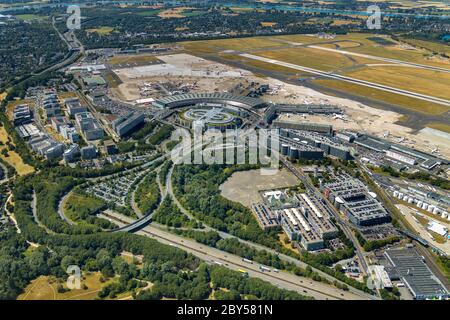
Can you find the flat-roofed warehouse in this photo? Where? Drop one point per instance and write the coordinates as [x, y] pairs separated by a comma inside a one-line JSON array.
[[185, 100], [410, 268]]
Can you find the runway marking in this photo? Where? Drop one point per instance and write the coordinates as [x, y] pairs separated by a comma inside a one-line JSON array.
[[351, 80]]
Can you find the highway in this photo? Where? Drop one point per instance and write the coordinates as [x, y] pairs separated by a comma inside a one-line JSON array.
[[281, 279], [351, 80]]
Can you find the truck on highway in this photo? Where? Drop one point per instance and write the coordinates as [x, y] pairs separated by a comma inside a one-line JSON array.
[[247, 260], [245, 273], [264, 268]]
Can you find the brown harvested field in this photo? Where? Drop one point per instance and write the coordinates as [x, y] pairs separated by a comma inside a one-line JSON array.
[[243, 186], [173, 12], [387, 97], [45, 288], [13, 157], [268, 24]]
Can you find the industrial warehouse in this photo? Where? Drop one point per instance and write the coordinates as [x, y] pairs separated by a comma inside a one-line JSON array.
[[407, 266]]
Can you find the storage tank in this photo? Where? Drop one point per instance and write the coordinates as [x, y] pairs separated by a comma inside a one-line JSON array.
[[431, 208], [405, 198], [396, 193], [436, 210], [419, 204], [410, 200], [425, 206], [400, 195], [444, 215]]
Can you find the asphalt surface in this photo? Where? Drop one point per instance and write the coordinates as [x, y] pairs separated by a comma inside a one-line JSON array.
[[280, 279], [351, 80]]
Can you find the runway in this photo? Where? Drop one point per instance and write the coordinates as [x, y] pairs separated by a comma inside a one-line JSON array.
[[351, 80]]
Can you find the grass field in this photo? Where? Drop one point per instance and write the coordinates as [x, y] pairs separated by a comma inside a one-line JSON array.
[[214, 46], [387, 97], [45, 288], [262, 65], [67, 95], [439, 126], [75, 206], [112, 79], [413, 79], [312, 58], [31, 17], [150, 13], [436, 47], [13, 157], [371, 47], [131, 59], [423, 81], [101, 30]]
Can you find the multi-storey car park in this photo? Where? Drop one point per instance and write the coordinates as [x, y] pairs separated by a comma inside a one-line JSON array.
[[306, 126], [275, 109], [354, 199], [328, 145]]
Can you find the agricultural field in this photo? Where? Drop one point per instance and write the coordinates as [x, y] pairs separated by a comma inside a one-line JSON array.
[[31, 17], [101, 30]]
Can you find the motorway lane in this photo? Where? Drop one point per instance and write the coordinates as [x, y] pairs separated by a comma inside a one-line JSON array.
[[281, 256], [282, 279]]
